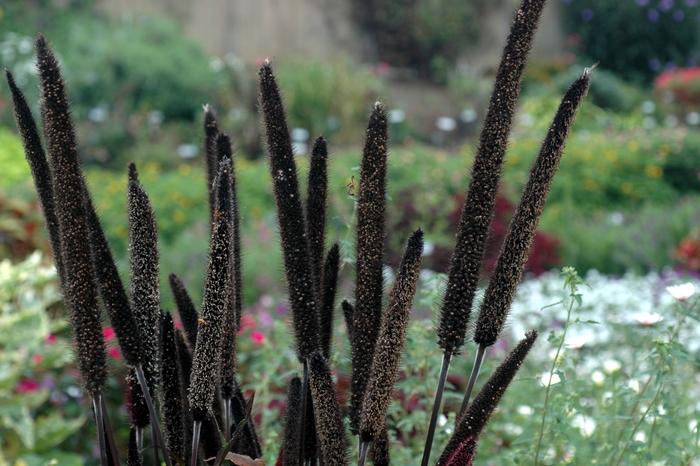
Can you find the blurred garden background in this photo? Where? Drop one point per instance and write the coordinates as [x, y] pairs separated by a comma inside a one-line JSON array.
[[624, 210]]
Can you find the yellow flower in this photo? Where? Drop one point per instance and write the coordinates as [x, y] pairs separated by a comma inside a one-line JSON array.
[[653, 171]]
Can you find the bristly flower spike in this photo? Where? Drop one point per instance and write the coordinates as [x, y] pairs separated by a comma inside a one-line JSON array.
[[329, 285], [390, 343], [41, 173], [145, 279], [316, 209], [78, 284], [509, 267], [211, 131], [473, 421], [290, 443], [331, 431], [185, 308], [291, 219], [173, 412], [478, 207], [207, 353], [370, 253]]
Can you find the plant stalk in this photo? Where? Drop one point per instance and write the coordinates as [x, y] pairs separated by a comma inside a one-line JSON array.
[[109, 432], [196, 430], [99, 421], [472, 380], [364, 448], [155, 426], [227, 419], [304, 401], [446, 357]]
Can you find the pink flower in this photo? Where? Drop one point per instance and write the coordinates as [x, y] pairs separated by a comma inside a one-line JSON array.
[[178, 324], [51, 339], [108, 333], [247, 321], [257, 337], [114, 353], [27, 386], [37, 359]]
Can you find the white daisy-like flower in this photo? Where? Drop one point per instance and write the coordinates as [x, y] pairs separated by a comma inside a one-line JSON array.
[[585, 424], [647, 318], [681, 292], [611, 366], [598, 378], [640, 437], [545, 379], [525, 410], [634, 385]]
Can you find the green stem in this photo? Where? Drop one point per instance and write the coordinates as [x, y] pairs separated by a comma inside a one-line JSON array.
[[549, 381], [639, 422]]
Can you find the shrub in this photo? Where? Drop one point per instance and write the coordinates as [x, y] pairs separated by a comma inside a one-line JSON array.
[[648, 35]]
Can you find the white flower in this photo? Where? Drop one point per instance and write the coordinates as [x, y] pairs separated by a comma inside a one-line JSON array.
[[545, 379], [598, 378], [647, 318], [442, 420], [640, 437], [693, 425], [525, 410], [577, 341], [633, 384], [585, 424], [681, 292], [611, 365]]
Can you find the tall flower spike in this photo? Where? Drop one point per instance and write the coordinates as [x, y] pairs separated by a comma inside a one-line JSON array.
[[211, 131], [291, 219], [145, 279], [509, 268], [290, 441], [41, 173], [173, 413], [481, 195], [370, 253], [331, 431], [390, 344], [185, 308], [472, 423], [111, 288], [228, 350], [330, 283], [207, 353], [79, 283], [316, 209], [380, 449]]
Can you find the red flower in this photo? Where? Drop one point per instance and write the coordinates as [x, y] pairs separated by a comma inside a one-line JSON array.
[[247, 322], [37, 359], [108, 333], [27, 386], [114, 353], [51, 339], [257, 337]]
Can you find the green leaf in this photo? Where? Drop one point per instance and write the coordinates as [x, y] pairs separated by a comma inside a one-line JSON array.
[[51, 430], [20, 421]]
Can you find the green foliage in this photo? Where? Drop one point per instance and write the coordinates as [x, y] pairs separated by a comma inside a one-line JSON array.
[[14, 166], [425, 35], [33, 429], [647, 35], [328, 98]]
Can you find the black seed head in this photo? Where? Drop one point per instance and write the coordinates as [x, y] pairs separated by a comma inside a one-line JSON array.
[[390, 344], [379, 451], [509, 267], [78, 282], [211, 130], [329, 422], [316, 209], [185, 308], [290, 442], [207, 353], [145, 279], [136, 402], [173, 412], [371, 207], [473, 421], [481, 195], [330, 283], [111, 288], [41, 173], [291, 219]]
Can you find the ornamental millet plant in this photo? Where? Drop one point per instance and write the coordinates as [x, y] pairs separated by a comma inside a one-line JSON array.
[[184, 384]]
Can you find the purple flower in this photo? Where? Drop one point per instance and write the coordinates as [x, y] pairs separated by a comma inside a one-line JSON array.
[[678, 16], [665, 5], [282, 309], [653, 15], [587, 14], [691, 3], [642, 2]]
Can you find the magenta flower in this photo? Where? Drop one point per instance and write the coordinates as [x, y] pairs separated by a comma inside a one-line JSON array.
[[27, 386], [257, 337], [108, 333]]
